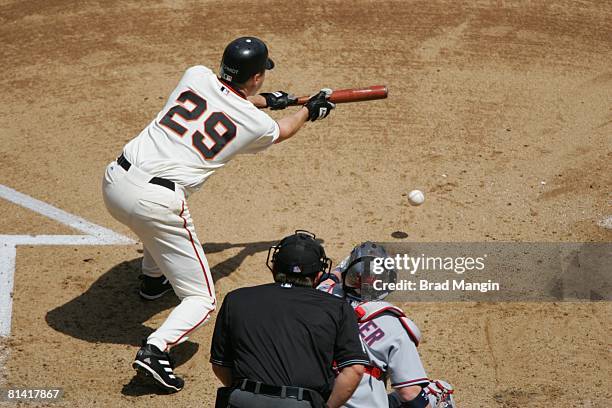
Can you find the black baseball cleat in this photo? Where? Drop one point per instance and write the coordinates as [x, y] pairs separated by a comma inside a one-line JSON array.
[[153, 288], [157, 364]]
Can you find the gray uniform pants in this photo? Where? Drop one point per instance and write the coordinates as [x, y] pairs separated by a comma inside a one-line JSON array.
[[245, 399]]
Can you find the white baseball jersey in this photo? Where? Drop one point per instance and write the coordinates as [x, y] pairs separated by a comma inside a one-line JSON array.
[[204, 123], [390, 347]]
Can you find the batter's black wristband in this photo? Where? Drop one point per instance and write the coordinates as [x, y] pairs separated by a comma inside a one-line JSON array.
[[420, 401]]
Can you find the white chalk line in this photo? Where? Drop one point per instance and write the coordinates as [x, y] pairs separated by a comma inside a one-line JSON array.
[[95, 235], [7, 271], [105, 235], [58, 240]]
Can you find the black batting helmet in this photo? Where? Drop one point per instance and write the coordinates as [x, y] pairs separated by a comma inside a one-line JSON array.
[[298, 254], [243, 58]]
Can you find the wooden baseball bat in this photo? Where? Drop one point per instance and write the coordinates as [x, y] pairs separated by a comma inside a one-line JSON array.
[[369, 93]]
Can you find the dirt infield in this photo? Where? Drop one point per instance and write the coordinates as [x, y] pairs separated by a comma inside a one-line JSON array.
[[500, 111]]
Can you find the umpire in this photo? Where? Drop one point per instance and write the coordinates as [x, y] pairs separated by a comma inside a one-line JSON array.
[[274, 344]]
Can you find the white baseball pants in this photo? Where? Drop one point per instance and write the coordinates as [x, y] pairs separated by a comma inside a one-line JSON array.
[[161, 219]]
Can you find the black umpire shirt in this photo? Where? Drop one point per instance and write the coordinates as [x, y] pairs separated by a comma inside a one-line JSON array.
[[286, 335]]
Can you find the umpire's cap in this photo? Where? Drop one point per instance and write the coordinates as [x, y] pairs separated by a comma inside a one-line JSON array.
[[298, 254], [243, 58]]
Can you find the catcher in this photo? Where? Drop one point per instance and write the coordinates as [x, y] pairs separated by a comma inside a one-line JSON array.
[[390, 338]]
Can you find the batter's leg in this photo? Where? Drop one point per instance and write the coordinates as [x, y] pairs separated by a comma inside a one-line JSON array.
[[149, 267], [169, 236], [153, 284]]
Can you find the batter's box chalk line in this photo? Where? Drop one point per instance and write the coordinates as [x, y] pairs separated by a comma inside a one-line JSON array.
[[92, 235]]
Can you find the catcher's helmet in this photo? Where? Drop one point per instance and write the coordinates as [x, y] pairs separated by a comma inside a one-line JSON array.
[[298, 254], [243, 58], [358, 277]]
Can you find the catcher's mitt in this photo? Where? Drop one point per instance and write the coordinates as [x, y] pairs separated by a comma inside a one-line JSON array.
[[440, 394]]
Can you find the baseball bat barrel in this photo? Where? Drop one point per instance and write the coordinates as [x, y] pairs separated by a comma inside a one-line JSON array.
[[369, 93]]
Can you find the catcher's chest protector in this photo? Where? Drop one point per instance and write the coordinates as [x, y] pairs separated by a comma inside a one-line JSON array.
[[370, 310]]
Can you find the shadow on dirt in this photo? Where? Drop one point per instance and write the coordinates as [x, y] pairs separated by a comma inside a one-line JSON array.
[[111, 311]]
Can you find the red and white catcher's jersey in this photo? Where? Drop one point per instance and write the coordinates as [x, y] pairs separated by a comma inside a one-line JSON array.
[[202, 126]]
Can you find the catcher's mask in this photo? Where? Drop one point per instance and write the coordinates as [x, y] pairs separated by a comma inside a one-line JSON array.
[[298, 254], [358, 277]]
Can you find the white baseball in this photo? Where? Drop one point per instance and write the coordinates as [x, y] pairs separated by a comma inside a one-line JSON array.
[[416, 197]]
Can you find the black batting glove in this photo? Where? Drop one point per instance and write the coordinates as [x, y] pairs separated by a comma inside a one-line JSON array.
[[319, 107], [278, 100]]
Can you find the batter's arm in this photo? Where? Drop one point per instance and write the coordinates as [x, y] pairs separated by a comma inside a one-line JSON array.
[[289, 125], [258, 100]]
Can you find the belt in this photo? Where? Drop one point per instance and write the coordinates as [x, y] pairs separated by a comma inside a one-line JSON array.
[[256, 387], [123, 162], [374, 372]]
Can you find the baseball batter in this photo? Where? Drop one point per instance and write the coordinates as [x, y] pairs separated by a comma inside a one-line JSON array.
[[390, 338], [206, 121]]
